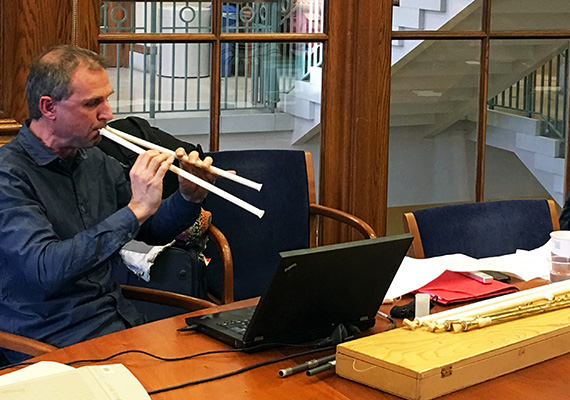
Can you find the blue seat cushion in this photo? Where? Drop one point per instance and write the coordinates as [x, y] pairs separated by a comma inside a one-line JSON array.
[[484, 229]]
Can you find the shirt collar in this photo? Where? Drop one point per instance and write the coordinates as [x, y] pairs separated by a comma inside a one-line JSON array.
[[39, 152]]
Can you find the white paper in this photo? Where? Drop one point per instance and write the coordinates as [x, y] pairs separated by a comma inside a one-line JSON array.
[[42, 368], [415, 273], [50, 381]]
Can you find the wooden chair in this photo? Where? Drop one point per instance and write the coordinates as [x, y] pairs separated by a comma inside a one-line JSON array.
[[174, 274], [288, 197], [290, 221], [482, 229], [34, 348]]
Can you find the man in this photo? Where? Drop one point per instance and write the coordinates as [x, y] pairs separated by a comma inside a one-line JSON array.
[[66, 208]]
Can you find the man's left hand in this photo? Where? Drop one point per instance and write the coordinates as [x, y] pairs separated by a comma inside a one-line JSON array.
[[197, 167]]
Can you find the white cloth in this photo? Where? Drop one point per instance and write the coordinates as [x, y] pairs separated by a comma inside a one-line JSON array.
[[139, 257]]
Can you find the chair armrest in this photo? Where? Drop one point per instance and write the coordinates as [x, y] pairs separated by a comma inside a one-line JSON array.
[[228, 265], [554, 215], [416, 249], [344, 217], [165, 298], [24, 345]]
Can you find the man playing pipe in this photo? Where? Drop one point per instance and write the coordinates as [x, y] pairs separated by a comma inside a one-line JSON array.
[[67, 208]]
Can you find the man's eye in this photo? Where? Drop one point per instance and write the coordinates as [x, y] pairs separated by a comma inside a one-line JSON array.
[[92, 103]]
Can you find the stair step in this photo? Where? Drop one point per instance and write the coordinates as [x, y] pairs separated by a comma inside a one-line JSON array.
[[307, 91], [549, 164], [539, 144], [558, 185], [298, 107], [515, 123], [432, 5], [316, 76]]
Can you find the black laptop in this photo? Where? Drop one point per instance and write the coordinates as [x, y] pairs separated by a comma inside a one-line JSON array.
[[312, 292]]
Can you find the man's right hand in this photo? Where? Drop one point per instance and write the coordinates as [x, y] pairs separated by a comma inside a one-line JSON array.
[[146, 183]]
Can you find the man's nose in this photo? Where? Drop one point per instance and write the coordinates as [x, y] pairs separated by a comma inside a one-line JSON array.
[[105, 113]]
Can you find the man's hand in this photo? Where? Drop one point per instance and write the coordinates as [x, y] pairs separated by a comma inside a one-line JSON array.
[[195, 166], [146, 183]]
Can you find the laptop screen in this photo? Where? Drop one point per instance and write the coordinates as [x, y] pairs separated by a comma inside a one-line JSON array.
[[314, 290]]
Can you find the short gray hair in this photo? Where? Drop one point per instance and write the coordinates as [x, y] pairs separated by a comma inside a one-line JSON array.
[[51, 72]]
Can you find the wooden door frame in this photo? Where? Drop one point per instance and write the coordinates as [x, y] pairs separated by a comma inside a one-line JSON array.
[[355, 115], [354, 149]]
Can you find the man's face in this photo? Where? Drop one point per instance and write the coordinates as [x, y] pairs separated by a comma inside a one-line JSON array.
[[79, 117]]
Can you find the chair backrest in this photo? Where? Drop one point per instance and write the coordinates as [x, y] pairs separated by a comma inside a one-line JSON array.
[[255, 243], [482, 229]]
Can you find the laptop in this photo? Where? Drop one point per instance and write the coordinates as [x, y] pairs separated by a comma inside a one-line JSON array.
[[312, 292]]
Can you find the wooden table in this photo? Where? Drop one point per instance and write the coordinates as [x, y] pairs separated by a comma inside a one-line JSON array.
[[545, 380]]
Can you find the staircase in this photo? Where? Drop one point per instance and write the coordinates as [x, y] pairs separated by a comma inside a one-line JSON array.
[[435, 83], [543, 156], [423, 15], [304, 103], [433, 88]]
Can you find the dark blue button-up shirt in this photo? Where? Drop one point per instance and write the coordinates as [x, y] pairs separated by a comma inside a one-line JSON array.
[[62, 225]]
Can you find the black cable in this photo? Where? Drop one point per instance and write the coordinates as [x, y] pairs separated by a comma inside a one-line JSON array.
[[97, 360], [146, 353], [206, 353], [389, 318], [19, 364], [238, 371], [315, 349]]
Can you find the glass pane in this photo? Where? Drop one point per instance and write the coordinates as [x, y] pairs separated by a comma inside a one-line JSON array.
[[433, 125], [273, 16], [156, 16], [527, 119], [271, 96], [433, 15], [168, 83], [530, 15]]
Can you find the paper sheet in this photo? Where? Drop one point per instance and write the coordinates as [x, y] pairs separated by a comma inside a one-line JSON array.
[[415, 273], [54, 381], [39, 369]]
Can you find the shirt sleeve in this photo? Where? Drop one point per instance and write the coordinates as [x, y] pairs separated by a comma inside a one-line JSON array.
[[173, 216], [46, 239], [44, 260]]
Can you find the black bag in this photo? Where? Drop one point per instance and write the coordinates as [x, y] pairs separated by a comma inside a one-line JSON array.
[[142, 129], [179, 268], [174, 270]]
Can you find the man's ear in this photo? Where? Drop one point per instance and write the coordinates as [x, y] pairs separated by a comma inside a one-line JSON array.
[[47, 107]]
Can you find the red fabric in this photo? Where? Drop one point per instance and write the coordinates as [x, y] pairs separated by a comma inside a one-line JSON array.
[[454, 287]]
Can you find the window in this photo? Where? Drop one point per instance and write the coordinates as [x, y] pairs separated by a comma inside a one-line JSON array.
[[479, 101], [249, 70]]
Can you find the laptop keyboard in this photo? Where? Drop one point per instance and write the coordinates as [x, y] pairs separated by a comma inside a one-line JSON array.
[[236, 325]]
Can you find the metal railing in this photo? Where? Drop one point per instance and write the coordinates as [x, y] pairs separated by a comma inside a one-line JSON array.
[[543, 94], [161, 77]]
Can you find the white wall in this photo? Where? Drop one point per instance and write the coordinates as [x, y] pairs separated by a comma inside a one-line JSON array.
[[442, 170]]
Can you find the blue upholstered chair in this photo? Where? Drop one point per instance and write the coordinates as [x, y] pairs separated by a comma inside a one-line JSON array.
[[482, 229], [290, 220], [244, 249]]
